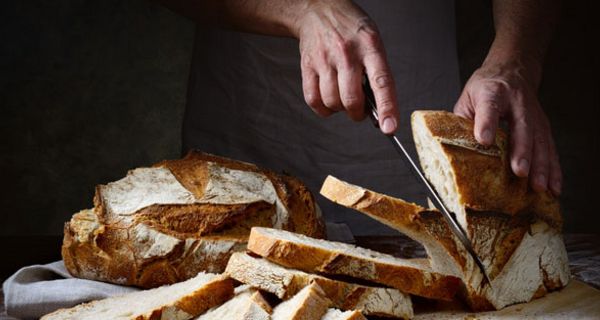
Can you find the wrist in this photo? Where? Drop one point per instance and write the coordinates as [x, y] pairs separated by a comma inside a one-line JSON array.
[[527, 63]]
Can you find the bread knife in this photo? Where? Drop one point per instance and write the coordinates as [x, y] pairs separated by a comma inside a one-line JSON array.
[[371, 109]]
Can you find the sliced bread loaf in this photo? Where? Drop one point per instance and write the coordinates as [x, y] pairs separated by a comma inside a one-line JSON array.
[[292, 250], [285, 282], [179, 301], [311, 303], [469, 176], [524, 260]]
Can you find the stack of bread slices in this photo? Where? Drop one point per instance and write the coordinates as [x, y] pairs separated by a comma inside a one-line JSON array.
[[258, 233]]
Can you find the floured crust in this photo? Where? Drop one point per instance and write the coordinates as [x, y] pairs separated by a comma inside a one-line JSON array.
[[413, 276], [482, 175], [182, 301], [206, 213], [523, 257], [285, 283], [148, 259]]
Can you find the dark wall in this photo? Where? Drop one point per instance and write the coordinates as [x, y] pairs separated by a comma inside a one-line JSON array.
[[89, 89]]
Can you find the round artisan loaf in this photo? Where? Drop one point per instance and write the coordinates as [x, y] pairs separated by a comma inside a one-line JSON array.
[[166, 223]]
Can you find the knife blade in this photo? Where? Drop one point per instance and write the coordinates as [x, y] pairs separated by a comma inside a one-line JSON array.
[[457, 230]]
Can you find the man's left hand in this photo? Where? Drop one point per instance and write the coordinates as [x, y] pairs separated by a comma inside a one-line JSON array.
[[503, 91]]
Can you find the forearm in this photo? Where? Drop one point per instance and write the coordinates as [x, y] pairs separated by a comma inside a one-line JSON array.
[[269, 17], [523, 32]]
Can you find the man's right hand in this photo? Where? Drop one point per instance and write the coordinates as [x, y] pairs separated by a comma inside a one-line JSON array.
[[339, 43]]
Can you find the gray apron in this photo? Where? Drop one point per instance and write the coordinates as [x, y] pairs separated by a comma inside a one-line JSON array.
[[245, 102]]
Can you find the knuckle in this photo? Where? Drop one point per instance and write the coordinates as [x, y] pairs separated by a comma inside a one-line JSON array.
[[385, 105], [306, 61], [344, 46], [351, 101], [372, 39], [331, 102], [382, 80], [491, 104]]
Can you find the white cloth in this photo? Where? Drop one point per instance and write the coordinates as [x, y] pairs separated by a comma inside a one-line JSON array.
[[245, 101], [37, 290]]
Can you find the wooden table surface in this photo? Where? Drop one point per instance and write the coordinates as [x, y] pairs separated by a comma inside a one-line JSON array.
[[583, 250]]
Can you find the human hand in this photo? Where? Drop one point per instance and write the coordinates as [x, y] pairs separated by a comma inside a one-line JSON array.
[[339, 43], [508, 91]]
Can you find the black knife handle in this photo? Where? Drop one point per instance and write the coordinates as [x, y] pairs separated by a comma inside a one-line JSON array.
[[370, 106]]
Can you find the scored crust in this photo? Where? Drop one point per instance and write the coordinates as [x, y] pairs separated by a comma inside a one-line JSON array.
[[163, 243]]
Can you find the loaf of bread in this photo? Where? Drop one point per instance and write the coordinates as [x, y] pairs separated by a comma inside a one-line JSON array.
[[165, 223], [515, 231], [471, 177], [285, 283], [180, 301]]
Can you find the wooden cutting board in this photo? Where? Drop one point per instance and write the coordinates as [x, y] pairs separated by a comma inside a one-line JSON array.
[[576, 301]]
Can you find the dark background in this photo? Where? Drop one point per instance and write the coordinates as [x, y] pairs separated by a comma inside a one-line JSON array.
[[90, 89]]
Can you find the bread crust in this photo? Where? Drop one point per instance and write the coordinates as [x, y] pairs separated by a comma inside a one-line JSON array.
[[483, 177], [167, 243], [499, 240], [208, 295], [285, 283], [417, 279]]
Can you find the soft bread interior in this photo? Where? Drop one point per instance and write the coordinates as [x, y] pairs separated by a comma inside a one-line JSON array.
[[436, 167], [309, 304], [241, 306], [335, 314]]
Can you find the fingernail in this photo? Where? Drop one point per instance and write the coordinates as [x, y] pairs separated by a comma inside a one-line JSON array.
[[389, 125], [524, 166], [487, 136]]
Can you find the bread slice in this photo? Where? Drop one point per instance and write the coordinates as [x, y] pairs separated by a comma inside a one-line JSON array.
[[310, 303], [524, 260], [247, 304], [164, 224], [335, 314], [180, 301], [335, 258], [284, 283]]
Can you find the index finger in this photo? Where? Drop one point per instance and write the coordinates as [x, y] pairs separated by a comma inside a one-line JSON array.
[[382, 83]]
